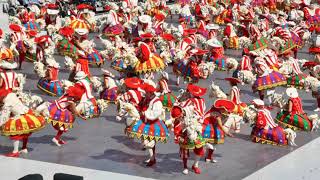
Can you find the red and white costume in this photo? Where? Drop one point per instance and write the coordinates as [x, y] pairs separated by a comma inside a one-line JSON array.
[[9, 83]]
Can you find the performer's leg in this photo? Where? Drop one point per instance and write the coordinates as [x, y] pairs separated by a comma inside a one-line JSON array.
[[210, 155], [184, 153], [270, 93], [15, 152], [195, 166], [151, 146], [56, 139], [261, 95], [198, 153], [178, 80], [318, 103], [24, 148]]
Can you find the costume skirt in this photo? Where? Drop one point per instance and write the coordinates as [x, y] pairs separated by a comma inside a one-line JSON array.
[[296, 80], [31, 57], [269, 81], [233, 42], [168, 100], [211, 132], [121, 66], [95, 58], [61, 117], [294, 121], [109, 94], [274, 136], [25, 124], [154, 63], [52, 88], [193, 144], [32, 25], [156, 130], [109, 31], [219, 62], [185, 70], [66, 48]]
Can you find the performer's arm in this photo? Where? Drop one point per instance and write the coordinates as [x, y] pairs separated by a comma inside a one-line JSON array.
[[290, 106]]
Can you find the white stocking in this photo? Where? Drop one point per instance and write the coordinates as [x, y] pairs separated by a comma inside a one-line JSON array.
[[209, 146], [150, 145], [15, 146], [178, 80], [196, 161], [269, 95]]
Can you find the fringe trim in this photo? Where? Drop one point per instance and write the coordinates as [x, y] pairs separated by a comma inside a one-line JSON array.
[[214, 141], [149, 70], [260, 88], [197, 146], [285, 125], [55, 122], [146, 137], [265, 141], [21, 132], [46, 91]]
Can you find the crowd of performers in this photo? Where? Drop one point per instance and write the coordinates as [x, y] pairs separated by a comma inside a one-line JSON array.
[[142, 41]]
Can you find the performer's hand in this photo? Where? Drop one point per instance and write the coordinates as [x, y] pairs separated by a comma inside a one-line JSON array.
[[230, 135], [181, 139]]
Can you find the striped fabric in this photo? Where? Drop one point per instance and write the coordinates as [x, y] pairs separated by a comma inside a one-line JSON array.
[[185, 70], [79, 24], [66, 48], [95, 58], [259, 44], [274, 136], [120, 65], [211, 132], [60, 117], [168, 100], [52, 88], [32, 25], [269, 81], [154, 63], [156, 130], [25, 124], [109, 94], [294, 121], [6, 53]]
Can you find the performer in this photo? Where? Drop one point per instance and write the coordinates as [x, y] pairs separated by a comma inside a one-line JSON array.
[[294, 117], [235, 96], [150, 128], [63, 110], [217, 54], [52, 19], [82, 64], [213, 130], [112, 24], [17, 36], [296, 77], [167, 97], [87, 98], [132, 94], [187, 132], [43, 43], [265, 129], [17, 121], [50, 84], [195, 93], [267, 80], [110, 91]]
